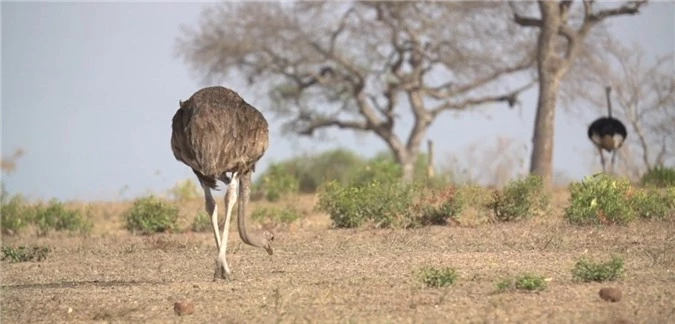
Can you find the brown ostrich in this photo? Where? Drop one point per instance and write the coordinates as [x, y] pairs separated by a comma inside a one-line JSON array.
[[216, 132]]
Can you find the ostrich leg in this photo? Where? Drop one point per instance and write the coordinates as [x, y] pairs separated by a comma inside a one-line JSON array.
[[602, 160], [222, 269], [212, 209], [613, 159]]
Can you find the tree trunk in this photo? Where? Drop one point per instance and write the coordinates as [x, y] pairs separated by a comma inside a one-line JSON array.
[[431, 169], [544, 133], [548, 67], [408, 170], [406, 160]]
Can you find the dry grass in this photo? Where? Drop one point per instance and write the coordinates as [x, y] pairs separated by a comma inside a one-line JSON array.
[[318, 274]]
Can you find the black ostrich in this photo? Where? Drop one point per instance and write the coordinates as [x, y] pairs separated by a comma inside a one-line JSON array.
[[216, 132], [607, 133]]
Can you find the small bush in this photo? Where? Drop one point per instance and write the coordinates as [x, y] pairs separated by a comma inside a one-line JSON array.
[[151, 214], [277, 182], [185, 190], [520, 199], [312, 171], [600, 199], [438, 204], [530, 282], [437, 278], [285, 215], [15, 214], [24, 254], [380, 169], [201, 223], [386, 204], [587, 270], [653, 203], [351, 206], [605, 200], [54, 216], [659, 177], [506, 284], [526, 282]]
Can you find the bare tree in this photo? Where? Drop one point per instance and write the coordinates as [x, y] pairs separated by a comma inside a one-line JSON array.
[[561, 40], [645, 100], [362, 66]]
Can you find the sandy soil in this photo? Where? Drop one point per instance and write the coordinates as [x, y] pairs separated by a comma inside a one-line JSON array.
[[325, 275]]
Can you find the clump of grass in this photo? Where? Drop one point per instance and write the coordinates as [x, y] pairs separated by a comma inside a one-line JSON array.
[[436, 278], [201, 223], [151, 214], [520, 199], [659, 176], [529, 282], [284, 215], [55, 216], [587, 270], [24, 254], [525, 282]]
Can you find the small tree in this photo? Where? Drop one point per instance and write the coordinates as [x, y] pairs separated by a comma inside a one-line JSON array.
[[362, 66]]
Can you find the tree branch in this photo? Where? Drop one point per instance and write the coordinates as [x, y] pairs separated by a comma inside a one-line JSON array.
[[439, 93], [319, 123], [510, 98], [522, 20], [630, 8]]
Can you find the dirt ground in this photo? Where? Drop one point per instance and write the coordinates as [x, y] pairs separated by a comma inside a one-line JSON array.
[[319, 274]]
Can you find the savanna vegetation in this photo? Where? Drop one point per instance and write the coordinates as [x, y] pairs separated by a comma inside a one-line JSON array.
[[387, 238]]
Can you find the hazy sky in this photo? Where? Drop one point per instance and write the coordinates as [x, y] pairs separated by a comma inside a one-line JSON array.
[[89, 89]]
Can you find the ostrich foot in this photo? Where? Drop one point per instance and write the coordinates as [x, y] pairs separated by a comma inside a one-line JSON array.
[[222, 271]]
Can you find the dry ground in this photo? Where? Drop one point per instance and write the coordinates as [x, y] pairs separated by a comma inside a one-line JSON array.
[[318, 274]]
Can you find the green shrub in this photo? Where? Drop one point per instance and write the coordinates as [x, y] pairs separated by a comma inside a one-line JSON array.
[[24, 254], [313, 171], [388, 204], [605, 200], [201, 223], [54, 216], [185, 190], [520, 199], [526, 282], [285, 215], [437, 204], [277, 182], [383, 168], [659, 177], [600, 199], [352, 206], [530, 282], [15, 214], [587, 270], [653, 203], [151, 214], [383, 171], [437, 278]]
